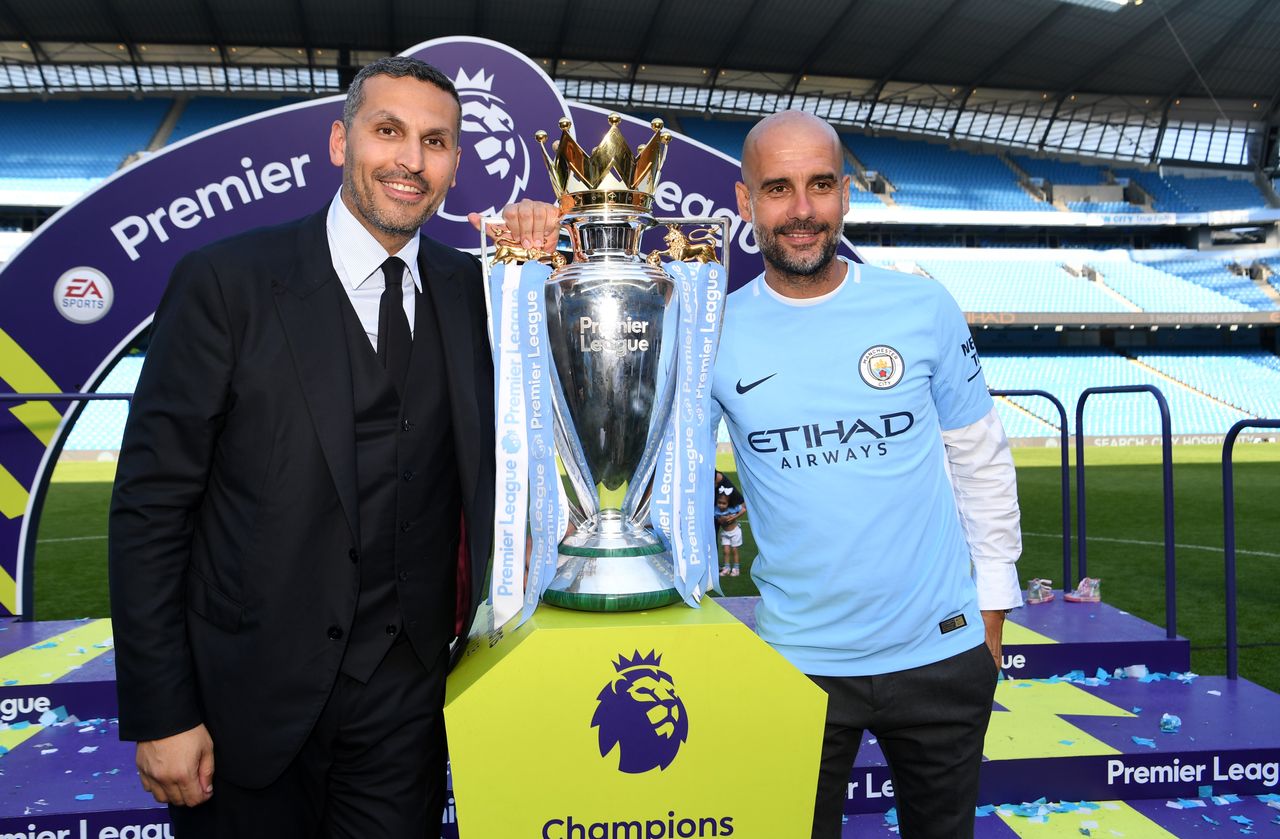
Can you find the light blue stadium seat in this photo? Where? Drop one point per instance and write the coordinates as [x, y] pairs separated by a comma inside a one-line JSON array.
[[204, 112], [73, 141]]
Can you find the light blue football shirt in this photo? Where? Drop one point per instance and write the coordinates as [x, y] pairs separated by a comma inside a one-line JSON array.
[[835, 409]]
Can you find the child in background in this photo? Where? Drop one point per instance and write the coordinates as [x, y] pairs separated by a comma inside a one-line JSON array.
[[730, 533]]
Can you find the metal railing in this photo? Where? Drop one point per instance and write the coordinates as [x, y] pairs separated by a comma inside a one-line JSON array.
[[1065, 447], [1229, 532], [1166, 437]]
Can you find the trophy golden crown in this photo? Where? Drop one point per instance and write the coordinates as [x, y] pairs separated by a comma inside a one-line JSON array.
[[609, 176]]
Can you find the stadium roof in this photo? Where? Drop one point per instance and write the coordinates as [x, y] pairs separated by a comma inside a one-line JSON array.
[[1159, 48]]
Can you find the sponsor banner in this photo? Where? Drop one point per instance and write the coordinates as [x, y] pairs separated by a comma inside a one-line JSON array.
[[1076, 320], [1148, 440], [80, 289], [119, 824]]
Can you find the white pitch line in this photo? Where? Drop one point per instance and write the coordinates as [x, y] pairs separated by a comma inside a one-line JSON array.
[[1177, 545], [69, 539]]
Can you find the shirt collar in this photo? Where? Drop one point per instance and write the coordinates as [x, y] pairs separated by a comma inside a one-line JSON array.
[[360, 255]]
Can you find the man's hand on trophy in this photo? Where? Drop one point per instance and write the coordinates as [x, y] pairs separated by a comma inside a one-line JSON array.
[[531, 224]]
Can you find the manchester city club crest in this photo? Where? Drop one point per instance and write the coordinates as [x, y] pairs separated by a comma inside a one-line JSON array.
[[639, 713], [881, 367]]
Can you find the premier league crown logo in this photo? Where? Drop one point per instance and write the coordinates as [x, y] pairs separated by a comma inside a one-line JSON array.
[[639, 712]]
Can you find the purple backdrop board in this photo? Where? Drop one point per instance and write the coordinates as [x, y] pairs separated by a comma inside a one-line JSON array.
[[1077, 636], [80, 290]]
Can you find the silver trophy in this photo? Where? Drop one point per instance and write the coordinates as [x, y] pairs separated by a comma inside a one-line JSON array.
[[611, 329]]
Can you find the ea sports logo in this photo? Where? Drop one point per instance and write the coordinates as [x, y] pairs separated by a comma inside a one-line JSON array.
[[639, 713], [83, 295], [881, 367], [495, 158]]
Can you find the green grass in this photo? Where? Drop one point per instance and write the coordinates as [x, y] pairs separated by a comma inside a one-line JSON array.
[[1124, 503]]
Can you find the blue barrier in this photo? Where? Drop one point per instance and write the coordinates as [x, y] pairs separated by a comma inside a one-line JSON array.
[[1166, 437], [1229, 531], [1066, 475]]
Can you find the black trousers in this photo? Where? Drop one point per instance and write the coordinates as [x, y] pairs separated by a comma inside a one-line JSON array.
[[373, 767], [930, 722]]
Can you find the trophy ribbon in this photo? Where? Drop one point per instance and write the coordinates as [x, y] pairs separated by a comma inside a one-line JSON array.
[[683, 485]]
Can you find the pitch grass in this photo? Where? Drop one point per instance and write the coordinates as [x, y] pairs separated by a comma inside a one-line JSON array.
[[1124, 504]]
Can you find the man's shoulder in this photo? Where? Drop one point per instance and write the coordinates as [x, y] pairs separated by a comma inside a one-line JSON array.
[[262, 246]]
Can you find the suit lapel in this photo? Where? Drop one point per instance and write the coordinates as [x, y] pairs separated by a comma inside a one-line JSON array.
[[458, 345], [310, 305]]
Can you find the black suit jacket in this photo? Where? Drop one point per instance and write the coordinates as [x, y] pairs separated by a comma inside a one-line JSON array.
[[235, 512]]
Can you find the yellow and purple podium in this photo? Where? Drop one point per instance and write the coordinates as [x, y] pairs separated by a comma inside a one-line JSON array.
[[663, 724]]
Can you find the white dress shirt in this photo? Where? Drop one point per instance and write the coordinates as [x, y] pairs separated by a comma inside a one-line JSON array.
[[357, 259]]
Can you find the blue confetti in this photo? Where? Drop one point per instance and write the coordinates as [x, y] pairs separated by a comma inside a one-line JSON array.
[[1137, 709], [984, 810], [1209, 820], [47, 645], [1170, 723], [84, 796], [1206, 791], [1144, 741], [1067, 742], [1244, 820], [891, 817]]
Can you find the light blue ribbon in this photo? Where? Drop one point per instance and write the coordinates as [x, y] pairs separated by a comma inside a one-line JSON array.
[[683, 489]]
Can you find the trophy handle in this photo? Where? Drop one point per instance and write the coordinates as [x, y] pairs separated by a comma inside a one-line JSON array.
[[681, 248]]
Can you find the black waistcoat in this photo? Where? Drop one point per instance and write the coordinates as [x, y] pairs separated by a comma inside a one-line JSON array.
[[410, 501]]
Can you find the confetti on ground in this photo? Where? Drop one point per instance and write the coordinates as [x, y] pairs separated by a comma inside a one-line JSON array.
[[1144, 741], [88, 750], [1170, 723], [1206, 791], [1244, 820], [1206, 817], [84, 796]]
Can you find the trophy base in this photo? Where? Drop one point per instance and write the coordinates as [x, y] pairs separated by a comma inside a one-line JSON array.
[[613, 579]]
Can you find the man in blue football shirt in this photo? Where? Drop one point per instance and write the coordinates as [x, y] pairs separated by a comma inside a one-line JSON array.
[[880, 483]]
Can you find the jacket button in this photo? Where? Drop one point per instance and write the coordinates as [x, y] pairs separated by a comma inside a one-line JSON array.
[[406, 526], [335, 633], [406, 425], [391, 629], [353, 555], [404, 575], [408, 475]]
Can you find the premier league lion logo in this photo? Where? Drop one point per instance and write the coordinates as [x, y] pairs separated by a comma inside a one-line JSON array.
[[639, 712], [495, 158]]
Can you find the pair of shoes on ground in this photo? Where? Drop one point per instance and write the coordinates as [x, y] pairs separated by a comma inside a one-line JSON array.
[[1041, 591]]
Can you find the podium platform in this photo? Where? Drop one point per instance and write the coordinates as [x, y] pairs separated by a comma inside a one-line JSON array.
[[1061, 740]]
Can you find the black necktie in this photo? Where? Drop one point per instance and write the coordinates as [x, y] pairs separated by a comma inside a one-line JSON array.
[[394, 339]]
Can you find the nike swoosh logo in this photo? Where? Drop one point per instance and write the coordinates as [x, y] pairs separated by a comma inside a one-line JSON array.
[[744, 388]]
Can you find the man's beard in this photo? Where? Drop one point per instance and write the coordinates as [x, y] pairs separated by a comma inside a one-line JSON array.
[[802, 270], [368, 209]]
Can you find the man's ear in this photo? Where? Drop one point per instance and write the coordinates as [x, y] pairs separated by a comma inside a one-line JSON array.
[[337, 143], [744, 200]]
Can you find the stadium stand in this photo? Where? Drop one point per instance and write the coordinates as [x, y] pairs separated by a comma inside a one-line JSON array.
[[1019, 286], [1248, 379], [100, 426], [204, 112], [933, 176], [1102, 207], [71, 145], [1215, 275], [1181, 194], [1209, 194], [1061, 171], [724, 135], [1068, 374], [1154, 290]]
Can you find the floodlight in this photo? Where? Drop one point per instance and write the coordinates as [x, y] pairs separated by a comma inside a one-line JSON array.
[[1105, 5]]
